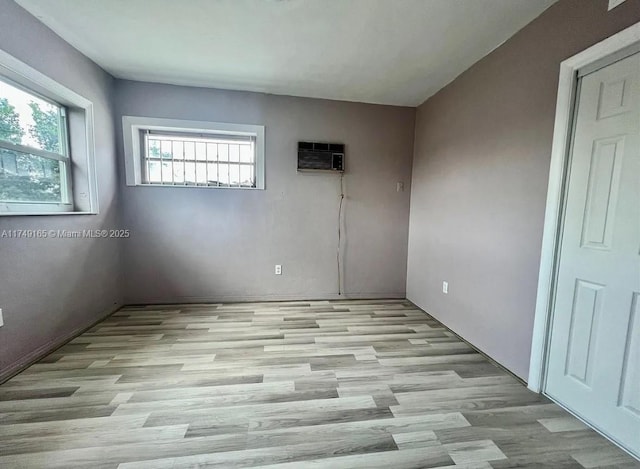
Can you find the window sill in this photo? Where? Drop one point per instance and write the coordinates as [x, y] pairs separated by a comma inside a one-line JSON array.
[[179, 186], [25, 214]]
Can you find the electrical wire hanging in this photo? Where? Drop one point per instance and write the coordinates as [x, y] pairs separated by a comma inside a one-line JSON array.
[[340, 232]]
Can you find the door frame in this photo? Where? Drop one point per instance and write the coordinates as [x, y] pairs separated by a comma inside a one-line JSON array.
[[562, 133]]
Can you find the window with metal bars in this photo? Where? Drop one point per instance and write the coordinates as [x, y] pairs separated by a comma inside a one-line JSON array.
[[181, 153], [198, 159]]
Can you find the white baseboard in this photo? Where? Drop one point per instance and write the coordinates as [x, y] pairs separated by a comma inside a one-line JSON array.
[[45, 349], [259, 298]]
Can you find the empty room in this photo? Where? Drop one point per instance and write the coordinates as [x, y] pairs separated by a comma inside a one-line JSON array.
[[320, 234]]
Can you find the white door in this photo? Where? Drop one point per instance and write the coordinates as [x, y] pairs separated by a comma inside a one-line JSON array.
[[594, 356]]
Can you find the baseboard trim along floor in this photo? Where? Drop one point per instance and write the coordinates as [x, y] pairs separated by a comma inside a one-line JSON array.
[[52, 346]]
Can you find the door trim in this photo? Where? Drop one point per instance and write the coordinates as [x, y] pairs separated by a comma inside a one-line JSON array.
[[562, 131]]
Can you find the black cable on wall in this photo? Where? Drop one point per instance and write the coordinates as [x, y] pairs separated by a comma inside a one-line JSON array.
[[340, 232]]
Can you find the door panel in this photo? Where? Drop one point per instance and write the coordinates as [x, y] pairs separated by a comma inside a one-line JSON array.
[[614, 98], [583, 332], [630, 389], [602, 191], [593, 364]]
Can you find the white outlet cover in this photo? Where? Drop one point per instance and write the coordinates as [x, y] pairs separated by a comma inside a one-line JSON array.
[[445, 287], [1, 318]]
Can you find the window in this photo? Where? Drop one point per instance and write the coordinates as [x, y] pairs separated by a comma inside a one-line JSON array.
[[199, 159], [34, 155], [46, 144], [167, 152]]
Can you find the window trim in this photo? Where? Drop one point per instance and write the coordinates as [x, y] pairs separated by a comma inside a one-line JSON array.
[[40, 85], [64, 156], [133, 125]]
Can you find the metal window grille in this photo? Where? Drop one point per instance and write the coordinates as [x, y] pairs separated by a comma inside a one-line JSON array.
[[198, 159]]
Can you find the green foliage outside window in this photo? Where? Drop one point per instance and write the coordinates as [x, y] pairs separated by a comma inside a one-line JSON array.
[[25, 177]]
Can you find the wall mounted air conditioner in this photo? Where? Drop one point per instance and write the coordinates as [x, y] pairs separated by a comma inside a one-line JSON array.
[[314, 156]]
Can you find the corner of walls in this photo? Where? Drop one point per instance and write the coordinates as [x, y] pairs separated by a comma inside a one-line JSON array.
[[480, 174], [52, 289]]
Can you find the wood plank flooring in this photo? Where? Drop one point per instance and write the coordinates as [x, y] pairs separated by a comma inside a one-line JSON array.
[[321, 384]]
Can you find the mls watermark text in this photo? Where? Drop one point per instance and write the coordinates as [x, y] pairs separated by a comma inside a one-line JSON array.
[[65, 234]]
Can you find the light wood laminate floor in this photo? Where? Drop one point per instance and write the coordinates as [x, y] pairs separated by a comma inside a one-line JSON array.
[[335, 384]]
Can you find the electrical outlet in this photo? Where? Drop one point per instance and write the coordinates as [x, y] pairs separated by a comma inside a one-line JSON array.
[[445, 287], [1, 318], [278, 270], [400, 187]]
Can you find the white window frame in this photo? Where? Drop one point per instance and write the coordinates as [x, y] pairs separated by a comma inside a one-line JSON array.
[[81, 182], [132, 126]]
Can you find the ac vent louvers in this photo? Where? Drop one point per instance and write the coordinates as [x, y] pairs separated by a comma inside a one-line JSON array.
[[318, 156]]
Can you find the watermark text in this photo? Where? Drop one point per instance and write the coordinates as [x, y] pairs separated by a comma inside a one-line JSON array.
[[64, 234]]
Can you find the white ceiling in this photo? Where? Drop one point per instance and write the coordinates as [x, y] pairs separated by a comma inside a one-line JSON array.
[[377, 51]]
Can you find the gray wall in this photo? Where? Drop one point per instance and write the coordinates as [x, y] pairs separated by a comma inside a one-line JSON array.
[[195, 244], [50, 289], [480, 176]]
